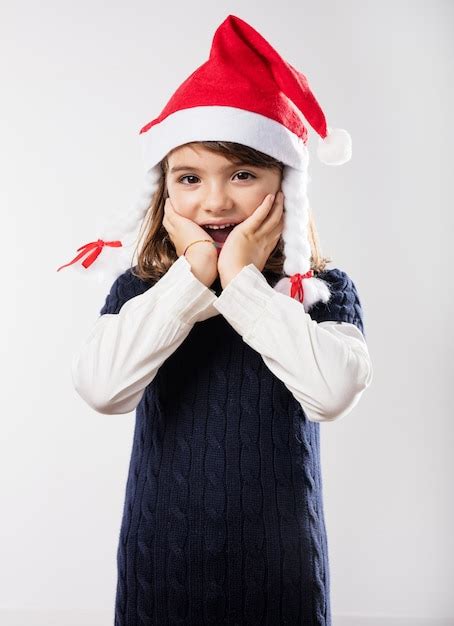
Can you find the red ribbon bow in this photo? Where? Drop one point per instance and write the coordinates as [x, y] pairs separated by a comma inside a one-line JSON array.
[[96, 247], [297, 289]]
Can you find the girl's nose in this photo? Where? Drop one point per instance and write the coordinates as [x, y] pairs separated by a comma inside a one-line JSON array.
[[217, 200]]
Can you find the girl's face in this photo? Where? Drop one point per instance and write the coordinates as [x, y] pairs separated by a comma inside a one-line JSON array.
[[207, 188]]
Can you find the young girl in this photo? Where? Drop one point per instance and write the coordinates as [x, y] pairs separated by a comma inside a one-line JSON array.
[[233, 344]]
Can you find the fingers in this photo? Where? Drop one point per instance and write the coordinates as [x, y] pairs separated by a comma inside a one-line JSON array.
[[275, 214], [168, 208], [276, 232], [267, 206], [256, 219], [169, 211]]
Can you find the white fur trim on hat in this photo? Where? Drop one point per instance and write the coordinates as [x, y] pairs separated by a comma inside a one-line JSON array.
[[220, 123]]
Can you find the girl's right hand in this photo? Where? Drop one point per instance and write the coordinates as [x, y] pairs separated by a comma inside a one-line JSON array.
[[183, 231]]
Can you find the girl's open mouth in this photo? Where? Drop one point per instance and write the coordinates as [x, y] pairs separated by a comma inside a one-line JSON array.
[[219, 234]]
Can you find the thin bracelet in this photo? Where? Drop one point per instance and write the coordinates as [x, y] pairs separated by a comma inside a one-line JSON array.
[[199, 240]]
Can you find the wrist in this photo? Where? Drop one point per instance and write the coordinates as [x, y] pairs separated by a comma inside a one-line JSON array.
[[207, 245], [201, 250], [203, 263], [228, 275]]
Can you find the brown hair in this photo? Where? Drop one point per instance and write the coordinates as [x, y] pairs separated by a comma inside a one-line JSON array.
[[157, 252]]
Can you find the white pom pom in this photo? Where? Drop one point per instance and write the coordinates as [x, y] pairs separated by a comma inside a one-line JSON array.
[[336, 148]]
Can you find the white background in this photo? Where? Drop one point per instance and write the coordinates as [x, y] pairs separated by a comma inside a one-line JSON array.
[[78, 81]]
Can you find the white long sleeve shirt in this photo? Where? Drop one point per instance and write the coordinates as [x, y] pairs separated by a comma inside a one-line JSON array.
[[326, 365]]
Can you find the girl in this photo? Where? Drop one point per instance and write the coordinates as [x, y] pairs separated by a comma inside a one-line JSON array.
[[233, 342]]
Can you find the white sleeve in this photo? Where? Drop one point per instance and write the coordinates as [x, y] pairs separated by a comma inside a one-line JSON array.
[[325, 365], [124, 351]]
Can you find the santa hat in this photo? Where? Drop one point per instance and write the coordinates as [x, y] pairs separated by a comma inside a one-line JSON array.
[[244, 93]]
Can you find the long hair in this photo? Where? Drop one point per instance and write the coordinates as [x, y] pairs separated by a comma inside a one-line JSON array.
[[155, 250]]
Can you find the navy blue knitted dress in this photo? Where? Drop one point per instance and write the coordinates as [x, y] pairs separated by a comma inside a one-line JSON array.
[[223, 518]]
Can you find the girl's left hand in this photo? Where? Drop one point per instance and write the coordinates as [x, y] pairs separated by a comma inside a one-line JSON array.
[[253, 240]]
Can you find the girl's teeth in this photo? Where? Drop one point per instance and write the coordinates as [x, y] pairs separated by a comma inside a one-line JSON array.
[[220, 227]]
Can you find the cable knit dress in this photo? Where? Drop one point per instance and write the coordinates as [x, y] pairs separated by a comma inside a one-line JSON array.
[[223, 518]]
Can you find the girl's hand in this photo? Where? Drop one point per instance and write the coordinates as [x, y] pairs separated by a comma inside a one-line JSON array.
[[253, 240], [183, 231]]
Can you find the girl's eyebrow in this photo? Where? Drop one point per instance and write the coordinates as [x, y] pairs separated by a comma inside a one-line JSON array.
[[180, 168]]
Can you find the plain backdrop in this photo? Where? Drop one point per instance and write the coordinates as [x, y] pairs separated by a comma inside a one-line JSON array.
[[78, 81]]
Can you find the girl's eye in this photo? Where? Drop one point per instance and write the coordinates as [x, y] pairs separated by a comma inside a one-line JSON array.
[[187, 176], [193, 176], [247, 174]]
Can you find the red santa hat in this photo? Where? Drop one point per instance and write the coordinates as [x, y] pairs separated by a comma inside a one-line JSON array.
[[245, 93]]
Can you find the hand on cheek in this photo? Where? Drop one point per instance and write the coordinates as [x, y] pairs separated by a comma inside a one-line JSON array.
[[253, 240]]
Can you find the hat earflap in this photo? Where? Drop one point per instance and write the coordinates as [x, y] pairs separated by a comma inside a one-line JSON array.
[[300, 281]]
